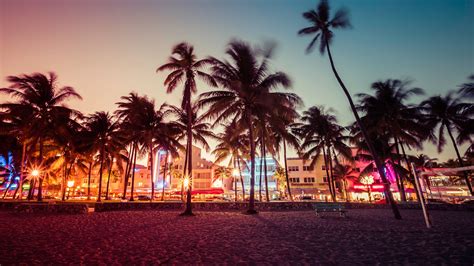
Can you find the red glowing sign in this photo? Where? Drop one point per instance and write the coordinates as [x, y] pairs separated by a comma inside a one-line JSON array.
[[377, 186]]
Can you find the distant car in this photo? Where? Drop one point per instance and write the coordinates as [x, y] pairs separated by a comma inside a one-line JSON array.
[[468, 202], [143, 197], [380, 201], [437, 201], [306, 198]]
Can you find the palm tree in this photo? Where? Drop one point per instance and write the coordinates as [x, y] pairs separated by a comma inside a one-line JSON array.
[[232, 145], [14, 126], [186, 66], [249, 89], [387, 112], [384, 149], [344, 172], [128, 112], [467, 89], [282, 125], [106, 130], [448, 113], [41, 96], [320, 132], [321, 27]]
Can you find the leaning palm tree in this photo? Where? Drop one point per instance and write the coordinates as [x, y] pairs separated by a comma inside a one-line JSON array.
[[321, 27], [105, 128], [40, 95], [450, 114], [185, 66], [249, 89]]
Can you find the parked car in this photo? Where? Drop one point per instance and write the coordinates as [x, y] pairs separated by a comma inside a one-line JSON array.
[[468, 202], [143, 197], [437, 201]]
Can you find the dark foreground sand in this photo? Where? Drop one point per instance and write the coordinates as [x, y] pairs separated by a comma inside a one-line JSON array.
[[157, 237]]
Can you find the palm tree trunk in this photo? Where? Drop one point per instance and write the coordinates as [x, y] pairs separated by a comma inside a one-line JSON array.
[[377, 160], [405, 157], [286, 170], [8, 187], [265, 170], [260, 175], [326, 166], [127, 170], [89, 181], [164, 177], [16, 190], [251, 207], [461, 164], [135, 148], [401, 186], [241, 179], [332, 175], [108, 179], [22, 169], [31, 190], [63, 182], [151, 172], [235, 180], [345, 190], [66, 175], [40, 184], [185, 167], [188, 210], [102, 155]]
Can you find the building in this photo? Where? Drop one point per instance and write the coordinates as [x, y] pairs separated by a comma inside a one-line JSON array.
[[307, 180], [259, 187]]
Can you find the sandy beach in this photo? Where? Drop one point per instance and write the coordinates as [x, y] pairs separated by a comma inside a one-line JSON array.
[[157, 237]]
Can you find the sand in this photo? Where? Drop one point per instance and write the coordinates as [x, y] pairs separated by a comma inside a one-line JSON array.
[[163, 237]]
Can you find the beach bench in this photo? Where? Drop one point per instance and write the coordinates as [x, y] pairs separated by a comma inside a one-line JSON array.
[[329, 208]]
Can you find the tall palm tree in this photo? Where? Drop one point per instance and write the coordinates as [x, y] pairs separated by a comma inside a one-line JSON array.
[[40, 95], [387, 112], [282, 125], [129, 110], [249, 89], [106, 130], [322, 26], [450, 114], [320, 133], [184, 66]]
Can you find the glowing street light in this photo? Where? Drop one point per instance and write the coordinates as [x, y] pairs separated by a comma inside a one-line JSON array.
[[70, 183], [235, 172], [35, 173], [186, 182]]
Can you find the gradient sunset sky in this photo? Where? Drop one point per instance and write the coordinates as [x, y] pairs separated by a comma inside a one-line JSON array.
[[106, 49]]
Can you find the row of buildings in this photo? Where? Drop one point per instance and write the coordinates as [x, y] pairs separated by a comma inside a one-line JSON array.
[[306, 181]]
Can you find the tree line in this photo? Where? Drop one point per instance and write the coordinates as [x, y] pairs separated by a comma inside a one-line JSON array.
[[251, 103]]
